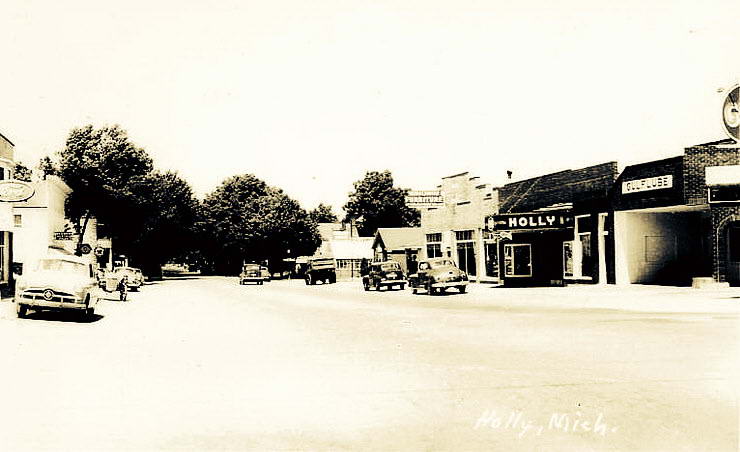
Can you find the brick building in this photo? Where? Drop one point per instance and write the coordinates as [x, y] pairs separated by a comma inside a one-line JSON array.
[[455, 228], [556, 228], [678, 219]]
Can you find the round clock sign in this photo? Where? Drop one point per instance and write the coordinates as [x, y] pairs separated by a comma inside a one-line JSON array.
[[731, 113]]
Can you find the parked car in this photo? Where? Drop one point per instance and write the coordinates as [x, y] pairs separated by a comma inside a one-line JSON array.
[[265, 273], [58, 283], [436, 275], [251, 273], [384, 274], [134, 277], [321, 269]]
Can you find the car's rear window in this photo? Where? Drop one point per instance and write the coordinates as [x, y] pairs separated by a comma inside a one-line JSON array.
[[390, 267]]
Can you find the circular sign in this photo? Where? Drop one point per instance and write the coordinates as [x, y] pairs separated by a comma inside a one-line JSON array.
[[85, 248], [15, 190], [731, 113], [99, 251], [48, 294]]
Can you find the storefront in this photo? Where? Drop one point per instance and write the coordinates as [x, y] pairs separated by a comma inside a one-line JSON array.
[[557, 228], [452, 219], [676, 219]]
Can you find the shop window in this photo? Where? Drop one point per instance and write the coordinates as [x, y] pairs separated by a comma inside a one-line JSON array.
[[518, 260], [3, 173], [18, 221], [3, 257], [568, 259], [464, 235], [466, 257], [436, 237], [578, 256], [434, 250], [491, 259]]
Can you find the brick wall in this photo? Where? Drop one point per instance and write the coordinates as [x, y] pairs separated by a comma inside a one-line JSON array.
[[695, 160], [721, 218]]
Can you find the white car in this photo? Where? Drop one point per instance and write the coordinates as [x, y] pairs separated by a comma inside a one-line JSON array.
[[58, 283]]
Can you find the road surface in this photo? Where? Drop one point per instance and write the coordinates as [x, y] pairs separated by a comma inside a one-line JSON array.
[[207, 364]]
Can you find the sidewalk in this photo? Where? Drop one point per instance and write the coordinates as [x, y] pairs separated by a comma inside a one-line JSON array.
[[636, 297]]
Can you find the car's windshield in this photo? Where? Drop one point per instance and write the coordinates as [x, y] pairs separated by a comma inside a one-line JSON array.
[[440, 264], [251, 267], [62, 265], [390, 267]]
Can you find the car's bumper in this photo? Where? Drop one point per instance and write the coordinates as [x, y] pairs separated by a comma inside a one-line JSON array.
[[251, 279], [449, 284], [392, 282], [58, 305]]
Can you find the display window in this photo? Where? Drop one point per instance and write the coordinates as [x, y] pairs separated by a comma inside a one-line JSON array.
[[518, 260]]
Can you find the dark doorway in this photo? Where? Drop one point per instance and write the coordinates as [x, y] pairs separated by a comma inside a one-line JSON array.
[[733, 254]]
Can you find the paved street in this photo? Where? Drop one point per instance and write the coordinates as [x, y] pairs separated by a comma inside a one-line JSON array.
[[204, 363]]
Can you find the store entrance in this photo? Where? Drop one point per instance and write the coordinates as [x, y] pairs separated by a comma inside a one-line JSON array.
[[733, 254]]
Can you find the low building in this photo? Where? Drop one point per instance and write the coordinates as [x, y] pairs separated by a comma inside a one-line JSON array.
[[455, 227], [678, 219], [41, 227], [7, 166], [556, 228], [342, 242], [397, 244]]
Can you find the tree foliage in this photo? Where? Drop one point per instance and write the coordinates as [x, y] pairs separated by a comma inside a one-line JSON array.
[[148, 214], [245, 219], [323, 214], [22, 172], [376, 203]]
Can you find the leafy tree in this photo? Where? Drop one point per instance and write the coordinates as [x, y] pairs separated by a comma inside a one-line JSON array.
[[101, 166], [47, 167], [245, 219], [376, 203], [22, 172], [164, 211], [322, 214]]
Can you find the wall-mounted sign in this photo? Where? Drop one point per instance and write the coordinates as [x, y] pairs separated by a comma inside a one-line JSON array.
[[647, 184], [724, 193], [63, 235], [722, 175], [532, 221], [731, 113], [422, 199], [15, 190], [99, 251]]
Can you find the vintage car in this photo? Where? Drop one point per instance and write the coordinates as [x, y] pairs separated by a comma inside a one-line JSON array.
[[58, 283], [265, 273], [321, 269], [134, 278], [384, 274], [436, 275], [251, 273]]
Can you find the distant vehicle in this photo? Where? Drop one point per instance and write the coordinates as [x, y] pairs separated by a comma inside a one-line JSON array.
[[436, 275], [251, 273], [58, 283], [265, 273], [134, 277], [384, 274], [320, 269]]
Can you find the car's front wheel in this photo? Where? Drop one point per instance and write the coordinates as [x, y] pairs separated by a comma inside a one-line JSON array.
[[21, 310], [461, 289]]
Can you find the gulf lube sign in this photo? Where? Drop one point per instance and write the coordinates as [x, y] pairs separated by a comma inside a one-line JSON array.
[[647, 184]]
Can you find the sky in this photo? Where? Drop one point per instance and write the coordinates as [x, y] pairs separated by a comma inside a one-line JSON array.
[[308, 96]]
